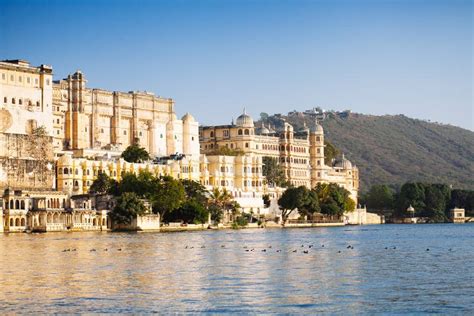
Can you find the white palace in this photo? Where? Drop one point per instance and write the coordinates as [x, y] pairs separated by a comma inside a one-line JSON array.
[[88, 128]]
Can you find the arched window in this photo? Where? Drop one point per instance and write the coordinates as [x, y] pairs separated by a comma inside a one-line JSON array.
[[23, 221], [17, 222], [212, 134], [88, 172], [5, 100], [76, 184], [240, 132], [66, 171], [17, 205], [11, 222], [22, 205], [20, 101], [247, 132], [76, 171], [11, 204], [13, 101]]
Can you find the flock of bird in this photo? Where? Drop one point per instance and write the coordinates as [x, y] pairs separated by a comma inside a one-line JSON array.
[[247, 249]]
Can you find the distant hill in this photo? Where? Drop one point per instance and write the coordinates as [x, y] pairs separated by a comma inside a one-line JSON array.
[[394, 149]]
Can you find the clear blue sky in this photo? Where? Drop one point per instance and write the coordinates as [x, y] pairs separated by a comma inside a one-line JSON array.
[[215, 57]]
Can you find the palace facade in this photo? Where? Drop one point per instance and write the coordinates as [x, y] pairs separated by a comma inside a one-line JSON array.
[[300, 153], [57, 136]]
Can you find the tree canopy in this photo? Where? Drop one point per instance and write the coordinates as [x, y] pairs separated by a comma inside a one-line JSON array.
[[135, 153], [300, 198], [128, 206]]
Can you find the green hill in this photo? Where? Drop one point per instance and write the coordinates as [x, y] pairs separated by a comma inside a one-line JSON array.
[[394, 149]]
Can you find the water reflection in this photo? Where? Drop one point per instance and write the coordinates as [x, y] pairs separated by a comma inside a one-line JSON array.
[[212, 271]]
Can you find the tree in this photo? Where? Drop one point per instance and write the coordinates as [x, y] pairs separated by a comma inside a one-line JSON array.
[[463, 199], [410, 194], [330, 153], [190, 212], [169, 196], [298, 198], [135, 153], [221, 201], [379, 198], [266, 200], [103, 184], [195, 191], [274, 172], [128, 206], [333, 199]]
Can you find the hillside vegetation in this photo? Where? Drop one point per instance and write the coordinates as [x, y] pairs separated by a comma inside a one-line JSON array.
[[397, 149]]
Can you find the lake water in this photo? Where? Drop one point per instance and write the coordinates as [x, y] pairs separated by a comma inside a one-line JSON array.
[[170, 272]]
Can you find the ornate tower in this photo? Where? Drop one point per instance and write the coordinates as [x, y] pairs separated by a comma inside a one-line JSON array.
[[316, 151]]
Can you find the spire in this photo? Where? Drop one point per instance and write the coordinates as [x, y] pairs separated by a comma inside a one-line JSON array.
[[245, 112]]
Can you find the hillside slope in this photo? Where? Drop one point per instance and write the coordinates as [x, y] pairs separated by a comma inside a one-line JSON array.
[[396, 149]]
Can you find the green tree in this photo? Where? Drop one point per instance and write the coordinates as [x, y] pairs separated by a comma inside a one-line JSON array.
[[379, 198], [266, 200], [221, 201], [463, 199], [103, 184], [195, 191], [274, 172], [135, 153], [128, 206], [168, 196], [330, 153], [190, 212], [333, 199], [300, 198], [410, 194]]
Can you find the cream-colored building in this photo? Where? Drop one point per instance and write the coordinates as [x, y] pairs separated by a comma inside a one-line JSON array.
[[95, 119], [300, 153]]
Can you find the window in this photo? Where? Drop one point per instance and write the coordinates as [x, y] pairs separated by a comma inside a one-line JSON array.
[[226, 133], [125, 132], [240, 132], [5, 100], [247, 132], [47, 82], [12, 78], [102, 130], [57, 121], [20, 101], [212, 134], [246, 145], [37, 103], [28, 80], [140, 133], [13, 101], [192, 138]]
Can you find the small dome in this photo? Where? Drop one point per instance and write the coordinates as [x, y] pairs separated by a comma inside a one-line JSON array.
[[188, 117], [244, 120], [264, 131], [410, 208], [317, 128], [344, 163]]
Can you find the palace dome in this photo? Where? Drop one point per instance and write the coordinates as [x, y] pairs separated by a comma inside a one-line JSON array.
[[344, 163], [244, 120], [317, 128]]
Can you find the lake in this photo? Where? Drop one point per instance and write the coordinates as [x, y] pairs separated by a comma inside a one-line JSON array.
[[389, 270]]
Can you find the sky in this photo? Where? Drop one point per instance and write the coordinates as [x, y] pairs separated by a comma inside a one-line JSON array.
[[215, 57]]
